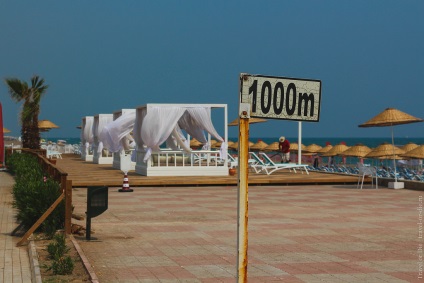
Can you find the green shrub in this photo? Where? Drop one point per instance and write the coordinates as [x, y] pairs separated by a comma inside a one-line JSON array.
[[57, 249], [62, 266], [33, 196]]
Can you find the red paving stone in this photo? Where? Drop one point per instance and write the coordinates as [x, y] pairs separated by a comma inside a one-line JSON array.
[[319, 233]]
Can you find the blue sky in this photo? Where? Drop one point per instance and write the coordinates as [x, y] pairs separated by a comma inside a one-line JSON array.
[[102, 56]]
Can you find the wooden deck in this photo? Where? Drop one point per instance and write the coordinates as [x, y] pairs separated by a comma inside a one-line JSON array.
[[83, 174]]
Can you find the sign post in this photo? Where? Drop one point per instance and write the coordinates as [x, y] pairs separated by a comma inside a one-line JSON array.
[[271, 98], [243, 208]]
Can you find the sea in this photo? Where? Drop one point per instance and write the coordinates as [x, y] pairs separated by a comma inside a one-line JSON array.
[[370, 142]]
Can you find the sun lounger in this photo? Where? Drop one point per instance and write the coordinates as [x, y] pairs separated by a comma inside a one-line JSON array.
[[270, 166], [233, 161], [53, 154]]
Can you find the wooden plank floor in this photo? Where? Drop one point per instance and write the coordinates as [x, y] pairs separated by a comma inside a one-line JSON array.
[[85, 174]]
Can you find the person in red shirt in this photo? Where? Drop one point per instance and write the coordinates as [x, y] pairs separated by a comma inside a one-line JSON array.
[[284, 149]]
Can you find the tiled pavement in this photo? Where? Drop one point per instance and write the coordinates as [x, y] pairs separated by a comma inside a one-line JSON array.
[[296, 234], [14, 261]]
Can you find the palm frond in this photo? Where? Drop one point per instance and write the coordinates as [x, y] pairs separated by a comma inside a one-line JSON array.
[[18, 89]]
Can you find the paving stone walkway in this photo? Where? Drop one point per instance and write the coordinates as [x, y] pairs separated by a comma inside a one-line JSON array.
[[296, 234], [14, 261]]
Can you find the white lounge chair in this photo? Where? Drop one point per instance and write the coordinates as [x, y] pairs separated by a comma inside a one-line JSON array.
[[259, 165], [53, 154], [270, 167], [233, 161]]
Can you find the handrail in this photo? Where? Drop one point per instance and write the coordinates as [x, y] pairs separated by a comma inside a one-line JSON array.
[[59, 176]]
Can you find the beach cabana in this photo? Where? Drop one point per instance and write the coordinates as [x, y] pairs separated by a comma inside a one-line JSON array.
[[87, 138], [117, 138], [100, 154], [171, 124]]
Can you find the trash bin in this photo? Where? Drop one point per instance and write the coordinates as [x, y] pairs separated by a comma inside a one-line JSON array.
[[97, 203]]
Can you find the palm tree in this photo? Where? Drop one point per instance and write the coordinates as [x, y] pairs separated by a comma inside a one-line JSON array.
[[31, 96]]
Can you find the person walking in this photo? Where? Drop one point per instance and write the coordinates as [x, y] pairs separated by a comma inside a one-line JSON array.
[[284, 148]]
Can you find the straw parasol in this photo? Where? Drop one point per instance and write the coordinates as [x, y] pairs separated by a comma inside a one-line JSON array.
[[312, 148], [260, 145], [271, 147], [234, 145], [5, 130], [46, 125], [409, 146], [385, 149], [195, 143], [295, 146], [358, 150], [251, 121], [391, 117], [325, 148], [336, 150], [216, 144], [213, 142], [416, 153]]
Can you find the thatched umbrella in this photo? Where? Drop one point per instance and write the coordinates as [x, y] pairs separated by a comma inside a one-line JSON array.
[[46, 125], [295, 146], [325, 149], [409, 146], [336, 150], [5, 130], [312, 148], [233, 146], [213, 142], [195, 143], [216, 144], [416, 153], [271, 147], [384, 150], [391, 117], [358, 150], [260, 145]]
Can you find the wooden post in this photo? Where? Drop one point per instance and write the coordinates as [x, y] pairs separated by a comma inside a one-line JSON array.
[[41, 219], [68, 206], [242, 231]]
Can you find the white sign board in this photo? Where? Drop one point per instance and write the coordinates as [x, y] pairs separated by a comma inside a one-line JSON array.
[[281, 98]]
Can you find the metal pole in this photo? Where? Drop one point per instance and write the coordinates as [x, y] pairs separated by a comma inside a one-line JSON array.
[[394, 156], [242, 231], [299, 156]]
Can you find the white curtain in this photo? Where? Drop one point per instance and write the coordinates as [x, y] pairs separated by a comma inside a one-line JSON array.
[[202, 115], [103, 120], [140, 115], [114, 132], [157, 126], [87, 134], [189, 124]]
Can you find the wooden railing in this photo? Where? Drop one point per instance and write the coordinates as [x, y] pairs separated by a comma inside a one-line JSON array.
[[66, 188]]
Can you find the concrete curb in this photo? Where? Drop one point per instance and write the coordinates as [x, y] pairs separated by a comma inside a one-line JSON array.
[[35, 265], [33, 261], [87, 265]]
